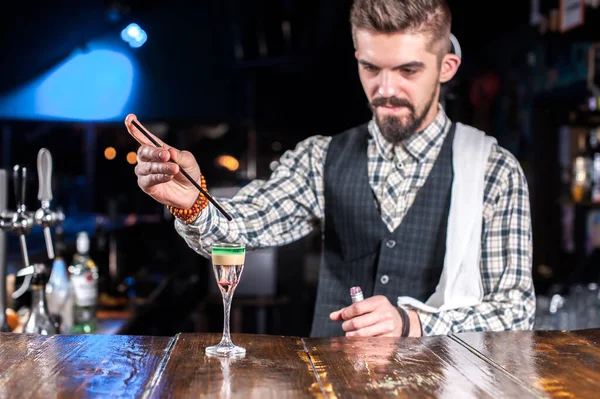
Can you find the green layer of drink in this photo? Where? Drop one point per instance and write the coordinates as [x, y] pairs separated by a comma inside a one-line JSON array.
[[228, 250]]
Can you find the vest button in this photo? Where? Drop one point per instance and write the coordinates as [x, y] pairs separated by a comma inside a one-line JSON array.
[[384, 279], [390, 243]]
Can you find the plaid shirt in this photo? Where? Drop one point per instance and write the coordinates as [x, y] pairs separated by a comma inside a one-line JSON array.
[[291, 203]]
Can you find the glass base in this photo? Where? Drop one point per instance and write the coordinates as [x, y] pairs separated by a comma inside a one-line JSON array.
[[225, 350]]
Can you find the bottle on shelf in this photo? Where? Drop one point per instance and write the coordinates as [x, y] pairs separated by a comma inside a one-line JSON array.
[[84, 280], [582, 168], [112, 292], [595, 160], [58, 289], [61, 296], [40, 320]]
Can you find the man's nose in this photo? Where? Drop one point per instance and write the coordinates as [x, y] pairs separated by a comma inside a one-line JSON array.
[[386, 85]]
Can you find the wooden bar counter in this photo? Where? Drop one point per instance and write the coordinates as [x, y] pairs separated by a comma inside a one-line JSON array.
[[512, 364]]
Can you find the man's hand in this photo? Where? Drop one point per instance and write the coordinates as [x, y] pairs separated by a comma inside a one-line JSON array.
[[160, 178], [374, 317]]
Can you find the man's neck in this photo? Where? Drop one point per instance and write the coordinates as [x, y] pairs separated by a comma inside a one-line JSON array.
[[431, 115]]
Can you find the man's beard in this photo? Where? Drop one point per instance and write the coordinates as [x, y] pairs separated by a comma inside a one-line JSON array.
[[392, 128]]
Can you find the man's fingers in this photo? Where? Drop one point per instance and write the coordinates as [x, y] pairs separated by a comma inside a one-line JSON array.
[[153, 154], [147, 182], [152, 168], [148, 152], [359, 308], [379, 329], [185, 159], [138, 135], [362, 307], [336, 316], [361, 322]]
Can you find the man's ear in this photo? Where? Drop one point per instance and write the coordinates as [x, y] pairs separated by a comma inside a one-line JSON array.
[[450, 64]]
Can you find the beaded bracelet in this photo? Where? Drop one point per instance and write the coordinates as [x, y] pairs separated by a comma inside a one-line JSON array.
[[187, 216]]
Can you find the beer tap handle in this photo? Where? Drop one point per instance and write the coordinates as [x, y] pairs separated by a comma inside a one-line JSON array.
[[3, 258], [27, 272], [20, 184], [44, 166], [4, 215], [21, 225], [44, 216], [22, 221]]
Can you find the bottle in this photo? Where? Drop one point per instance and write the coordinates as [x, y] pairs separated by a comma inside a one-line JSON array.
[[40, 321], [582, 167], [356, 294], [595, 160], [84, 280], [58, 289], [112, 293]]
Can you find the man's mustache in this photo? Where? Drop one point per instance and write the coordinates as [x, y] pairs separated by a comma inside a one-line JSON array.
[[391, 101]]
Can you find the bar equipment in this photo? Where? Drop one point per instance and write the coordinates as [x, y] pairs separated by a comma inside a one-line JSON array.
[[40, 320], [44, 216], [3, 204], [21, 222]]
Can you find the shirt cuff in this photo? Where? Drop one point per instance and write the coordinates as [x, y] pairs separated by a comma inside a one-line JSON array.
[[194, 232]]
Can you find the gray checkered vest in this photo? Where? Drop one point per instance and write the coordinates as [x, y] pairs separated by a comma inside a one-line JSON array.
[[358, 247]]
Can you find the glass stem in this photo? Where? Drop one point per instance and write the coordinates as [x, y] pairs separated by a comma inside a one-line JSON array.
[[226, 340]]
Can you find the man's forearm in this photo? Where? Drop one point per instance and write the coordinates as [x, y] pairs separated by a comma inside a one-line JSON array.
[[272, 212], [487, 316]]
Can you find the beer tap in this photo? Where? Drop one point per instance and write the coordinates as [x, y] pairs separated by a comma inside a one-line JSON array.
[[44, 216], [20, 222], [3, 258]]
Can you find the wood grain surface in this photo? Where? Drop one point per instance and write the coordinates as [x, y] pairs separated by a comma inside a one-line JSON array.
[[70, 366], [274, 367], [407, 367], [592, 335], [554, 363], [512, 364]]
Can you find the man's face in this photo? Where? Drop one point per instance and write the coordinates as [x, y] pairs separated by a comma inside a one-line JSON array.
[[400, 77]]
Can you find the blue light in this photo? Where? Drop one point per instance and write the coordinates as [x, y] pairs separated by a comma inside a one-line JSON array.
[[134, 35], [134, 31], [88, 86]]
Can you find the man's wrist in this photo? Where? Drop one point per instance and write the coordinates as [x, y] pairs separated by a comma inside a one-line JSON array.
[[416, 330], [405, 318]]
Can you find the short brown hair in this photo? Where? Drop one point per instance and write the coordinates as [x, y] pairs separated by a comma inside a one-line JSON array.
[[430, 17]]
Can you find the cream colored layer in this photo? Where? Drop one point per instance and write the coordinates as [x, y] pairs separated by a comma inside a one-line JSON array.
[[220, 259]]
